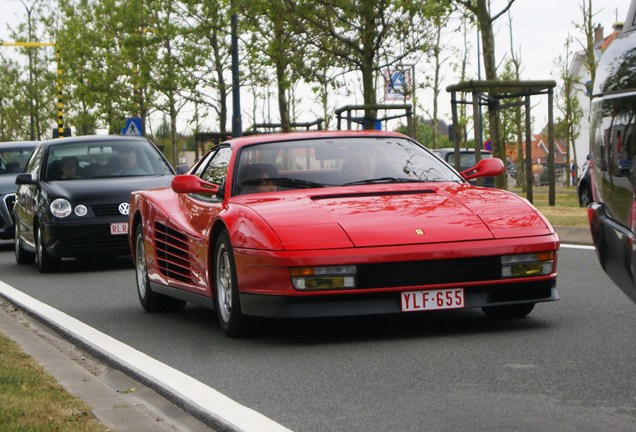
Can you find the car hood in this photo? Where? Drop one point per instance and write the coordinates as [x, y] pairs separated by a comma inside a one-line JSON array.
[[102, 190], [414, 215], [7, 183]]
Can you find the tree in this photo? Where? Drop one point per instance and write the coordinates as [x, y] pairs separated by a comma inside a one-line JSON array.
[[514, 67], [363, 35], [568, 126], [461, 66], [440, 19], [587, 28], [481, 11], [13, 121], [207, 48], [37, 80], [273, 40]]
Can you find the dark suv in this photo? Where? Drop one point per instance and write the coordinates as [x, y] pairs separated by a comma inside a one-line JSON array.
[[612, 214]]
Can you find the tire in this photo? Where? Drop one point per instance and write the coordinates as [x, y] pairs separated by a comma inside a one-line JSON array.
[[46, 263], [227, 302], [22, 256], [150, 300], [508, 312]]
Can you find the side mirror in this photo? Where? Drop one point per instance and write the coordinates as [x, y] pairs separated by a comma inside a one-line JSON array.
[[484, 168], [187, 183], [24, 179]]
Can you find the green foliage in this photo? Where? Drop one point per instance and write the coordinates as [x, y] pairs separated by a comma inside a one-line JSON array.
[[424, 135]]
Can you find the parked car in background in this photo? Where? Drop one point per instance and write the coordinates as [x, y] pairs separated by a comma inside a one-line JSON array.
[[73, 199], [13, 157], [467, 159], [319, 224], [584, 185], [612, 214]]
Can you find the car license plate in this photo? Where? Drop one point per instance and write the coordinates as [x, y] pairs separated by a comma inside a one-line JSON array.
[[119, 228], [451, 298]]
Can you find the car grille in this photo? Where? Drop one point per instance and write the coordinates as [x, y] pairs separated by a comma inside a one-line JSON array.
[[106, 210], [171, 249], [9, 201], [104, 242], [410, 273]]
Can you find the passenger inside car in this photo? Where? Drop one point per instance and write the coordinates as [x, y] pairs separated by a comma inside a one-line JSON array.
[[252, 178], [70, 166], [128, 163], [360, 164]]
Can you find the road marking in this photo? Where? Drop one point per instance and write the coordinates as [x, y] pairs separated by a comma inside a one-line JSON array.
[[202, 400], [574, 246]]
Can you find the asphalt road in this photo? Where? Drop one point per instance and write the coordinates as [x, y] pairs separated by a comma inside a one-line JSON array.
[[570, 366]]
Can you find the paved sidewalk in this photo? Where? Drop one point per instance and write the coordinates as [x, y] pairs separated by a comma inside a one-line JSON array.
[[117, 400]]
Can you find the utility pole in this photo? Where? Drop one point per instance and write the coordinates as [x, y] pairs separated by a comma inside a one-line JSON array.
[[237, 124]]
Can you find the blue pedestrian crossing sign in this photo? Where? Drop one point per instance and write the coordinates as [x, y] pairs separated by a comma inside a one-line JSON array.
[[397, 84], [133, 126]]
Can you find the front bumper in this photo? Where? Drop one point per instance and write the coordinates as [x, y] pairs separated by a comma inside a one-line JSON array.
[[271, 306], [615, 247], [90, 240]]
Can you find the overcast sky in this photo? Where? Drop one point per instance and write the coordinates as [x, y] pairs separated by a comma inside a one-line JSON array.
[[540, 28]]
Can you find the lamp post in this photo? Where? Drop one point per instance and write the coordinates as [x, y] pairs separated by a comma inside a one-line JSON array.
[[237, 125]]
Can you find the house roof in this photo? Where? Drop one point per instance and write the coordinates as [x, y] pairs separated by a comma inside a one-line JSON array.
[[539, 148], [607, 41]]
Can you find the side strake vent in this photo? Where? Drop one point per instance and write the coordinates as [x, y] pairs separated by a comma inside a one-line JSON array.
[[173, 258]]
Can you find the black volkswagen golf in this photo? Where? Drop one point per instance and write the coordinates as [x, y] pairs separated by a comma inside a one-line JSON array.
[[72, 200], [612, 214]]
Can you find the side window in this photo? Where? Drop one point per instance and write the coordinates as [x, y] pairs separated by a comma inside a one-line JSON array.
[[35, 163], [216, 169]]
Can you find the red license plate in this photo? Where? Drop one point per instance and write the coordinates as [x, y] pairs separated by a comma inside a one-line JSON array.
[[119, 228], [450, 298]]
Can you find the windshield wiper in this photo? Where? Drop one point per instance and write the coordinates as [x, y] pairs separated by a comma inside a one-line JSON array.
[[285, 181], [380, 180]]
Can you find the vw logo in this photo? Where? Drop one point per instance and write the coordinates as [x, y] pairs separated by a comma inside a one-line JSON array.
[[124, 208]]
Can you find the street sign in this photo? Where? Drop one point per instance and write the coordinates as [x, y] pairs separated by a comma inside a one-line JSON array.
[[133, 126], [398, 84]]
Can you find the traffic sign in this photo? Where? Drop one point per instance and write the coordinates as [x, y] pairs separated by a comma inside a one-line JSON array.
[[398, 84], [133, 126]]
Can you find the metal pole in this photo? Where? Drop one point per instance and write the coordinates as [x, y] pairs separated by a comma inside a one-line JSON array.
[[551, 167], [528, 161], [237, 126]]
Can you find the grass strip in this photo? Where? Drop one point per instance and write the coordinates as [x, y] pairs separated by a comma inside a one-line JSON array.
[[32, 400]]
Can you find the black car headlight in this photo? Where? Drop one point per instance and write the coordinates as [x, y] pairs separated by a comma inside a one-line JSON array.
[[60, 208]]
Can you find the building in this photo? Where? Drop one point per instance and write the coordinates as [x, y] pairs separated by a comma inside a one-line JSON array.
[[583, 83]]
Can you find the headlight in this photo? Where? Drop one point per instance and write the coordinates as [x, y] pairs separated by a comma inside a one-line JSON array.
[[60, 208], [526, 265], [81, 210], [323, 278]]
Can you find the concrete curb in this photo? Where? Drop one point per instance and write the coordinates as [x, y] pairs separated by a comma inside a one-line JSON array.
[[194, 397], [574, 235]]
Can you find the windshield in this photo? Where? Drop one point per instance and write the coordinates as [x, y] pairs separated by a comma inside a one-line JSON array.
[[104, 159], [336, 162], [13, 160]]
